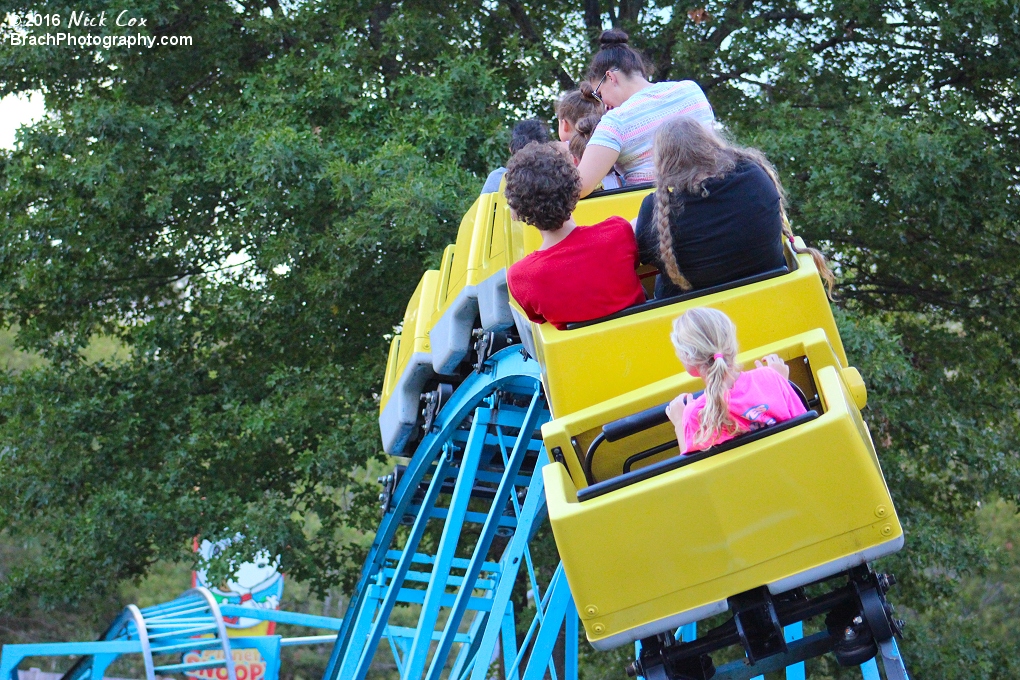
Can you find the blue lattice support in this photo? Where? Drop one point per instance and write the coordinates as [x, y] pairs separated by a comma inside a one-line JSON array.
[[418, 656], [559, 604], [508, 641], [513, 464], [487, 436], [367, 650], [532, 514]]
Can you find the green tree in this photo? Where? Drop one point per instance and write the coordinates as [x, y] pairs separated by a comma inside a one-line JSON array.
[[248, 216]]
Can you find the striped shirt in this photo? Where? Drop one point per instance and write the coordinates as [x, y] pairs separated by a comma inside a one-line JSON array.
[[630, 128]]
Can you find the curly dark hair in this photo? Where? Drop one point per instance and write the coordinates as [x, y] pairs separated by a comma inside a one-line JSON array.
[[542, 186]]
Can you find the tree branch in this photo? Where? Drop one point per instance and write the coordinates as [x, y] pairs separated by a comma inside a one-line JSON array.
[[729, 23], [629, 10], [379, 15], [847, 36], [788, 15], [530, 35], [593, 20]]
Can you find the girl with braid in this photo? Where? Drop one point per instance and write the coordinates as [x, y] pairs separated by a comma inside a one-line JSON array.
[[717, 214], [734, 401]]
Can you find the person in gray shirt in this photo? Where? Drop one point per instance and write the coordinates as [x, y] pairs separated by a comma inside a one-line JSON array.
[[524, 132]]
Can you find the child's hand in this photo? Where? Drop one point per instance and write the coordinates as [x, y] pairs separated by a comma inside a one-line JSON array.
[[775, 363], [675, 409]]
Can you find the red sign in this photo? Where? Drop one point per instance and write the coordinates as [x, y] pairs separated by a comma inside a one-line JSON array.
[[248, 664]]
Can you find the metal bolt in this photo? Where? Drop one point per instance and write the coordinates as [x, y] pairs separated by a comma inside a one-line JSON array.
[[849, 634], [598, 629], [858, 620]]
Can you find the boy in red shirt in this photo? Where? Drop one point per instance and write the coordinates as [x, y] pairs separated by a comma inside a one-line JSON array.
[[578, 273]]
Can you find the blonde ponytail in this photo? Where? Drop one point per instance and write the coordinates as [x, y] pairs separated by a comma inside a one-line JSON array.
[[706, 339], [715, 417]]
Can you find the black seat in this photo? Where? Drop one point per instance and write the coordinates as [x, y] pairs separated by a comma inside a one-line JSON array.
[[646, 420]]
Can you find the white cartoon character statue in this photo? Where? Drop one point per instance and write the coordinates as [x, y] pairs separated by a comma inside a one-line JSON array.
[[258, 584]]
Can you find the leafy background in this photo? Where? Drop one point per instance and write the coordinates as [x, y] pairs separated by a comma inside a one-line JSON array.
[[203, 251]]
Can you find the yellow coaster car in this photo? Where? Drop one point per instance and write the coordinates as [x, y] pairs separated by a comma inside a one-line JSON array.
[[670, 540]]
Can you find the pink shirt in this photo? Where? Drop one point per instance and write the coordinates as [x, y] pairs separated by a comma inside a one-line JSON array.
[[759, 398]]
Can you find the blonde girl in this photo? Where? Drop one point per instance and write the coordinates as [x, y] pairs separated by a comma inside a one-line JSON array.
[[718, 212], [734, 401]]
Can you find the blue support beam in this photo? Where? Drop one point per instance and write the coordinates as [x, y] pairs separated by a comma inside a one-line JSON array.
[[397, 578], [507, 370], [484, 540], [558, 605], [532, 514], [15, 654], [418, 655]]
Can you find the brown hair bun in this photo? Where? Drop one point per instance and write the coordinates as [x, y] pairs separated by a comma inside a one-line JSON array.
[[616, 55], [586, 126], [613, 36]]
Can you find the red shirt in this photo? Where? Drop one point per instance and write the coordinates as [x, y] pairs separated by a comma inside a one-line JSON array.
[[587, 275]]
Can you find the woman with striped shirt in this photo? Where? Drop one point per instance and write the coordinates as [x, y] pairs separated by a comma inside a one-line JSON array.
[[635, 107]]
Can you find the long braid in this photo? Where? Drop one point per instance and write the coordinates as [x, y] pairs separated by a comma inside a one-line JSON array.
[[665, 233], [686, 155]]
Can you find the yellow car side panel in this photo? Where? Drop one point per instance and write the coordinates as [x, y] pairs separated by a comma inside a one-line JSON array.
[[479, 252], [594, 210], [465, 235], [445, 272], [748, 517], [414, 336], [391, 375]]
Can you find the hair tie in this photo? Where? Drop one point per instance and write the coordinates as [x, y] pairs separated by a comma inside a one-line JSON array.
[[719, 355]]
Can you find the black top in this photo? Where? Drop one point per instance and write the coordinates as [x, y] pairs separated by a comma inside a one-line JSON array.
[[733, 232]]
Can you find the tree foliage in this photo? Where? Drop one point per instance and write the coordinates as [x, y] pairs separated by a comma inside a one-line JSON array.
[[248, 216]]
